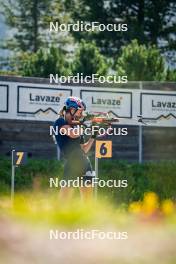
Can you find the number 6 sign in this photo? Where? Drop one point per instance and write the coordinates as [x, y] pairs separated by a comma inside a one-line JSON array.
[[103, 149]]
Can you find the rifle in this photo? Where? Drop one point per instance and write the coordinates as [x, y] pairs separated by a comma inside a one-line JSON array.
[[104, 119], [99, 118]]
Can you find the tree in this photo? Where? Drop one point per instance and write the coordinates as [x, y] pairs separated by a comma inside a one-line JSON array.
[[149, 21], [27, 19], [171, 75], [88, 60], [141, 63], [42, 63]]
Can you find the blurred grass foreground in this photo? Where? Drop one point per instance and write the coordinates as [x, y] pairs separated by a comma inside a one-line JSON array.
[[25, 228], [145, 211]]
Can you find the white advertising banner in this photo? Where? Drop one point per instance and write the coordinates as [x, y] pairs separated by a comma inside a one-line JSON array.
[[118, 102], [42, 102], [158, 108], [4, 98]]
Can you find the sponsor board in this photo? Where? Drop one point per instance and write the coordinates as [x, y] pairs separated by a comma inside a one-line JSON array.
[[29, 101], [41, 101], [158, 108], [118, 102], [4, 98]]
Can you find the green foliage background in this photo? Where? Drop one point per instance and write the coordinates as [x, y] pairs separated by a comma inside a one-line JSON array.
[[145, 52]]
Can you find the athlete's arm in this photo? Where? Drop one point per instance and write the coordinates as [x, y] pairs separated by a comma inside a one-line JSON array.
[[87, 146], [70, 131]]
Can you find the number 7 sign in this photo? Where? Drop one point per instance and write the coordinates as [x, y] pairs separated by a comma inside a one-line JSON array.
[[103, 149], [19, 158]]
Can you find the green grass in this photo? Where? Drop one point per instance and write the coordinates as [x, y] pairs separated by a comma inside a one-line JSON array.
[[156, 177]]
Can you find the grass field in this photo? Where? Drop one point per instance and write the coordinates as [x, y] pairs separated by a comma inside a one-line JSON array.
[[157, 177]]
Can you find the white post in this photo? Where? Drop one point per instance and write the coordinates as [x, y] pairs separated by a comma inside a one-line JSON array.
[[140, 143], [58, 153], [12, 179], [140, 134], [96, 176]]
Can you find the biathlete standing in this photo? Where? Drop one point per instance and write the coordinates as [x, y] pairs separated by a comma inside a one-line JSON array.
[[72, 146]]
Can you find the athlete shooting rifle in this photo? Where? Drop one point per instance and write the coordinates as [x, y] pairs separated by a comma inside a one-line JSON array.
[[72, 146]]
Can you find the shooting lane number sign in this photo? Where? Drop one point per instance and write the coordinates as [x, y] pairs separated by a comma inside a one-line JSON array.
[[103, 149], [19, 158]]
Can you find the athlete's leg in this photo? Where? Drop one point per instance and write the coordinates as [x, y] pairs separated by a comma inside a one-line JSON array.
[[66, 193], [87, 191]]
